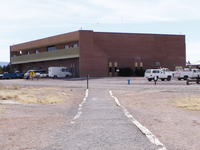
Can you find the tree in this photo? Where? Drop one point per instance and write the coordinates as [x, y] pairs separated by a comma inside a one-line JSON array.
[[1, 70], [8, 68]]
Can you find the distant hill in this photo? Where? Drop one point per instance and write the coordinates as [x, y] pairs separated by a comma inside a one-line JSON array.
[[4, 63]]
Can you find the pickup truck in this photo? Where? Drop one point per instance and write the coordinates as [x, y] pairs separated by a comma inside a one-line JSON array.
[[185, 74], [162, 74]]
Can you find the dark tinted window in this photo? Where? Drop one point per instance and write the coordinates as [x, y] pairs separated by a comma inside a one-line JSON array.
[[51, 48], [155, 71]]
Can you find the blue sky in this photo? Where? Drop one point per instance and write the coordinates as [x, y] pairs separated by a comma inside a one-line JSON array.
[[25, 20]]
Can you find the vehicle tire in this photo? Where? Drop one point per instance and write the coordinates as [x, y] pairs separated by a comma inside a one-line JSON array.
[[67, 76], [162, 79], [185, 77], [169, 78], [55, 77], [149, 79], [179, 79]]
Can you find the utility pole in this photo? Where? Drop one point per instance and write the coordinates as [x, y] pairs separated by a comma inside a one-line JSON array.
[[87, 81]]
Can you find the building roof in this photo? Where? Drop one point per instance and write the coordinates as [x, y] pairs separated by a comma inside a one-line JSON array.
[[68, 37], [53, 40]]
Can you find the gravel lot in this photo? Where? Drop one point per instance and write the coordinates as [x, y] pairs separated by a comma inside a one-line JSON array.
[[155, 107], [32, 126]]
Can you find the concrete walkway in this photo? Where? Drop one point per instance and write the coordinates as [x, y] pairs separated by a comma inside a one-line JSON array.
[[101, 126]]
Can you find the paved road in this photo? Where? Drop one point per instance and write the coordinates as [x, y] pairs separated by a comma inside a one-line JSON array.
[[101, 126]]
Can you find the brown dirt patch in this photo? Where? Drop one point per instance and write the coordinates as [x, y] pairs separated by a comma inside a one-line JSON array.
[[190, 103], [37, 95]]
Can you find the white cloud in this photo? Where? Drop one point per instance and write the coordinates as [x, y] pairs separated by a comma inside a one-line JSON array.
[[28, 15], [105, 11]]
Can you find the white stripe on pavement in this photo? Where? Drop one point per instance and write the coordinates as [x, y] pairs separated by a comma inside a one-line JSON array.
[[80, 108], [152, 138]]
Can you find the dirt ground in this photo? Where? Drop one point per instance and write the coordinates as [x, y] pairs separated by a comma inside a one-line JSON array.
[[167, 109], [36, 95], [28, 126]]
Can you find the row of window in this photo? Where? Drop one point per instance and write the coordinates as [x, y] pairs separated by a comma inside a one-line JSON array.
[[49, 48], [115, 64], [52, 48], [28, 52], [71, 46]]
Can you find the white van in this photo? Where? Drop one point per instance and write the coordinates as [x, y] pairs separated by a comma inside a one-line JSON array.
[[59, 72]]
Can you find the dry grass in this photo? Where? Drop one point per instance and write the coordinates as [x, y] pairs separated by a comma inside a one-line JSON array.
[[45, 95], [2, 109], [190, 103], [13, 87]]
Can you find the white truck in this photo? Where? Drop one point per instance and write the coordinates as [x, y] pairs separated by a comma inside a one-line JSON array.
[[187, 73], [59, 72], [162, 74]]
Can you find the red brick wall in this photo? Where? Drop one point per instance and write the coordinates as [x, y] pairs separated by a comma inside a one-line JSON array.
[[97, 49], [92, 61]]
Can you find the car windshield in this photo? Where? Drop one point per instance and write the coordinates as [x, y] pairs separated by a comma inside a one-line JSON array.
[[148, 71]]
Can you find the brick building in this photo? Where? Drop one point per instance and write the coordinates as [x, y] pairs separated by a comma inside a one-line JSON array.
[[97, 53]]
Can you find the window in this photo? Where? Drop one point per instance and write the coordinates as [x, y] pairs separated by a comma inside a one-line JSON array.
[[71, 46], [155, 71], [76, 45], [110, 64], [116, 64], [66, 46], [51, 48], [136, 64], [141, 64], [37, 51], [64, 70], [148, 71]]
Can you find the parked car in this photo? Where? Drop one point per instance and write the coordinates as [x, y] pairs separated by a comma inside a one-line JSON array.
[[187, 73], [19, 75], [43, 74], [1, 76], [162, 74], [38, 73], [15, 75], [59, 72]]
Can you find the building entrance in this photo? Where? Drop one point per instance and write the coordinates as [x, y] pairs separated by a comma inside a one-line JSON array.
[[113, 69]]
